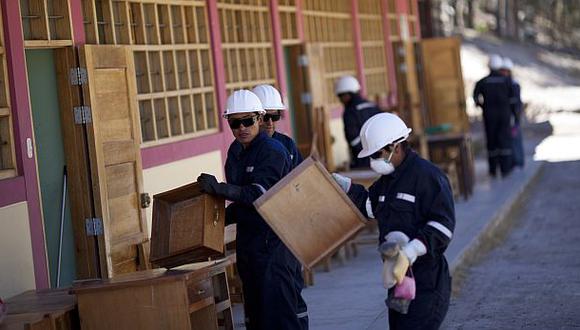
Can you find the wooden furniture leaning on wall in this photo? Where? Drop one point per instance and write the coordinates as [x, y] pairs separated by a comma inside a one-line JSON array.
[[453, 153], [188, 226], [54, 309], [193, 296]]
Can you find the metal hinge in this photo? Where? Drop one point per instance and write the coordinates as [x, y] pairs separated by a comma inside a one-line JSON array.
[[306, 98], [94, 226], [82, 114], [78, 76], [145, 200], [302, 60]]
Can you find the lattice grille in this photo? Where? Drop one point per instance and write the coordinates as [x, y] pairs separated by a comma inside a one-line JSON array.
[[7, 160], [246, 43], [287, 9], [372, 35], [170, 43], [329, 23], [45, 23]]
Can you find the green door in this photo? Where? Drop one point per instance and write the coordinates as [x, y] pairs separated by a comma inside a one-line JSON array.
[[50, 160]]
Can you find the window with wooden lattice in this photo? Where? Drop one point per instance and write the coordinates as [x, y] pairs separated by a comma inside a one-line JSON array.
[[287, 10], [373, 41], [46, 23], [7, 159], [329, 23], [173, 63], [246, 35]]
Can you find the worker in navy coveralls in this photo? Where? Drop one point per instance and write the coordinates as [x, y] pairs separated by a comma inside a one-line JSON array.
[[266, 266], [413, 204], [357, 111]]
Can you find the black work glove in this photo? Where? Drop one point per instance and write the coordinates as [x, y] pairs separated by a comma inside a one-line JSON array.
[[210, 185]]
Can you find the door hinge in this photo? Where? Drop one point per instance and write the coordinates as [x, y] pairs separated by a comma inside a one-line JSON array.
[[302, 60], [306, 98], [78, 76], [94, 226], [145, 200], [82, 114]]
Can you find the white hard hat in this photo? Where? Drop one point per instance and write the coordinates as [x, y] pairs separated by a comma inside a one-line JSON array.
[[270, 97], [507, 64], [495, 62], [243, 101], [381, 130], [346, 84]]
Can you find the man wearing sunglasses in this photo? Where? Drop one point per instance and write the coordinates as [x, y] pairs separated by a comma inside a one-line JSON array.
[[272, 102], [357, 111], [413, 204], [266, 266]]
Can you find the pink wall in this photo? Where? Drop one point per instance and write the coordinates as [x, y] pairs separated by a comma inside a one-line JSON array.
[[23, 130]]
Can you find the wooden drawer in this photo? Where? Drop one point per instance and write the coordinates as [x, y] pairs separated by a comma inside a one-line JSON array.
[[199, 290]]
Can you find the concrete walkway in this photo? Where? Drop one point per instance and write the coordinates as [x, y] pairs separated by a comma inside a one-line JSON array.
[[352, 296]]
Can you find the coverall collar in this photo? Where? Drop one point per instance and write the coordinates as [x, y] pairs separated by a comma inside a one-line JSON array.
[[355, 99], [256, 141], [409, 159]]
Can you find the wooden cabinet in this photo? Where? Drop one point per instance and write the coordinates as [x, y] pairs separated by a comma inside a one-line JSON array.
[[42, 310], [188, 226], [192, 296]]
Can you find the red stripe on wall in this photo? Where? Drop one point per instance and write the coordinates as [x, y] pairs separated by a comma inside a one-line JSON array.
[[23, 130], [358, 53], [13, 191]]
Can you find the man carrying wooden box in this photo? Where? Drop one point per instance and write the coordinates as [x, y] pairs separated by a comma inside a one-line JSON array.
[[413, 204], [266, 266]]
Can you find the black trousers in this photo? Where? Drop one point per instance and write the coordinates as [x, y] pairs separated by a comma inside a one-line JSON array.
[[499, 144], [272, 299], [427, 311]]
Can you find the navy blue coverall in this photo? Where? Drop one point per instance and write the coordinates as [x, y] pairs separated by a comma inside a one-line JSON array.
[[266, 267], [517, 109], [416, 199], [493, 94], [356, 113], [295, 156]]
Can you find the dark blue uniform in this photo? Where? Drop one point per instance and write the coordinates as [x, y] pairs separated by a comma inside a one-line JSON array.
[[295, 156], [356, 113], [416, 199], [493, 94], [266, 266], [517, 109]]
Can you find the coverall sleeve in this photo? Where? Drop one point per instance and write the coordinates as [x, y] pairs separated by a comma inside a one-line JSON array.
[[351, 131], [269, 169], [296, 156], [438, 209], [516, 102], [477, 94], [362, 199]]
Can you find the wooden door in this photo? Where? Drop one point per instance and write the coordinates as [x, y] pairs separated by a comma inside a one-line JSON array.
[[113, 161], [443, 80]]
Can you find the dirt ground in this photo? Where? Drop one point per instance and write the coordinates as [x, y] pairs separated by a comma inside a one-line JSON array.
[[531, 279]]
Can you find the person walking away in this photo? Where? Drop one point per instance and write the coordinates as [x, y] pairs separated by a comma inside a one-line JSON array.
[[266, 266], [357, 111], [516, 106], [413, 204], [492, 93]]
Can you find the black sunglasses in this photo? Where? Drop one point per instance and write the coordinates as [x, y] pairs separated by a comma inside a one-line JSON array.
[[268, 116], [247, 122], [379, 153]]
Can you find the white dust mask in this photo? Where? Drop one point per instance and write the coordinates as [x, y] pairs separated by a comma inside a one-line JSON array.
[[383, 166]]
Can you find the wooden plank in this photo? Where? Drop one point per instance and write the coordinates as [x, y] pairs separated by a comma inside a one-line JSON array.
[[297, 209], [444, 83], [79, 179]]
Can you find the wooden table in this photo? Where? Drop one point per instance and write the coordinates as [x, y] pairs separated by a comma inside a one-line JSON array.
[[42, 310], [193, 296]]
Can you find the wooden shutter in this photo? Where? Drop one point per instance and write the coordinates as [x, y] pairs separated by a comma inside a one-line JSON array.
[[444, 83], [115, 160]]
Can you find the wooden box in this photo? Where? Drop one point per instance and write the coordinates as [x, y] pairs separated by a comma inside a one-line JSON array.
[[310, 212], [54, 309], [188, 226], [193, 296]]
